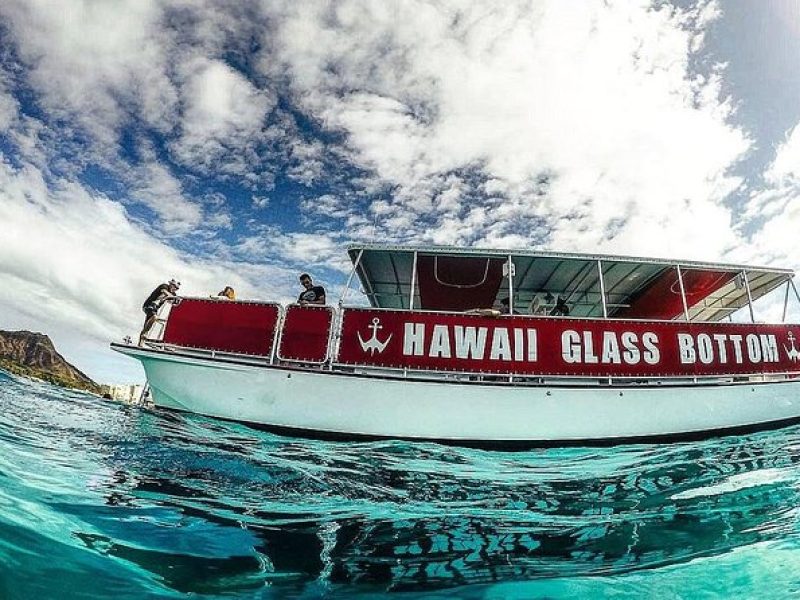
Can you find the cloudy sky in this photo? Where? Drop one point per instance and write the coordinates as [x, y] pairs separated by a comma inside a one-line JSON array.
[[240, 143]]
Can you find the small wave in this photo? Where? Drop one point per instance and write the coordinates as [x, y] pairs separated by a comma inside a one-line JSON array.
[[737, 482], [178, 503]]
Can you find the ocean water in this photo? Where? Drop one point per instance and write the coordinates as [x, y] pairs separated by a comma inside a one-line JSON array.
[[101, 500]]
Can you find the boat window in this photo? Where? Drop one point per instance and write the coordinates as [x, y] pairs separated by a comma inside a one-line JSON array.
[[575, 283]]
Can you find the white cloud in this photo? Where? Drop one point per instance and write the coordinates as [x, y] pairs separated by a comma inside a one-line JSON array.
[[77, 249], [326, 205], [599, 100], [599, 103], [772, 214], [162, 192], [94, 61], [223, 114], [98, 69], [785, 169], [9, 109], [504, 124], [297, 248], [306, 161], [73, 261]]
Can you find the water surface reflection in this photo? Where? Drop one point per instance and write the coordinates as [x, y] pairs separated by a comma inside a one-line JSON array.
[[194, 505]]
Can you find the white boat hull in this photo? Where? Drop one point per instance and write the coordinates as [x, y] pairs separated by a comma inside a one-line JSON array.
[[347, 405]]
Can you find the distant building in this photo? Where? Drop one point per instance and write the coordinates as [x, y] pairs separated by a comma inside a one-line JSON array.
[[129, 394]]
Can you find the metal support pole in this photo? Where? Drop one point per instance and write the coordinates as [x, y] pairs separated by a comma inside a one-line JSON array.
[[749, 297], [796, 295], [350, 277], [602, 289], [510, 286], [785, 301], [336, 322], [413, 284], [683, 294], [334, 339]]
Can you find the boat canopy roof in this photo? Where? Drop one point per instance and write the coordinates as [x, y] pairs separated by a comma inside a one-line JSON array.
[[460, 279]]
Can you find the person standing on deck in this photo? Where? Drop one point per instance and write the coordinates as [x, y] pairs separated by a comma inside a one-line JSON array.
[[312, 294], [163, 293]]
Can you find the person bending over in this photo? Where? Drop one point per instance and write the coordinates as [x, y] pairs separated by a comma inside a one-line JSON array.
[[312, 294], [157, 297]]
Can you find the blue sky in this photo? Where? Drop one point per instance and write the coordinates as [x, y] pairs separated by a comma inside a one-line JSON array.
[[242, 143]]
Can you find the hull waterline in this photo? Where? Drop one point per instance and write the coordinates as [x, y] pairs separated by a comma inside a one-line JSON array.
[[329, 404]]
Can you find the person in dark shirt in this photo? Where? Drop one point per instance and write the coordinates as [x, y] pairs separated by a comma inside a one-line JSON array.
[[312, 294], [157, 297], [561, 308]]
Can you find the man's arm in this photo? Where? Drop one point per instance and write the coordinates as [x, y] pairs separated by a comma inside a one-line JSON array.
[[166, 296], [320, 299]]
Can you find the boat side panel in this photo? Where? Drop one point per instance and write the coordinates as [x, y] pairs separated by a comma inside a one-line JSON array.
[[327, 402]]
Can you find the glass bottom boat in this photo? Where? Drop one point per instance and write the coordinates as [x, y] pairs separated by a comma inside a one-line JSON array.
[[472, 347]]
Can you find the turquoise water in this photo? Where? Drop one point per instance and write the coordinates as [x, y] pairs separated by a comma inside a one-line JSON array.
[[100, 500]]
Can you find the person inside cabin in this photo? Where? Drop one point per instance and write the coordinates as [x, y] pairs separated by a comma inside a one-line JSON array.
[[505, 306], [537, 306], [227, 293], [561, 309], [311, 294], [165, 292]]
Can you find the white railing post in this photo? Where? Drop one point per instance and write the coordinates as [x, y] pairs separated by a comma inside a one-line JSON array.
[[334, 337], [510, 286], [276, 342], [785, 301], [683, 294], [602, 288], [413, 282], [749, 296], [350, 277]]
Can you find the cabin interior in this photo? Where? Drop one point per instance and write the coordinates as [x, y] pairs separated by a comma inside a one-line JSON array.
[[596, 286]]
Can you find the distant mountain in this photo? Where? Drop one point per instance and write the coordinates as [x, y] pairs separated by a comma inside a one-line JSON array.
[[33, 355]]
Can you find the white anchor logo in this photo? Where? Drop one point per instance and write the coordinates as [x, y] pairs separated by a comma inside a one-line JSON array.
[[793, 354], [373, 345]]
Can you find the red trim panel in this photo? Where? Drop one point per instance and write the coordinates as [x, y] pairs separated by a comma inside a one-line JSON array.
[[662, 299], [458, 282], [224, 326], [305, 334], [552, 346]]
